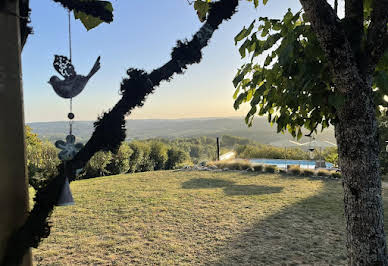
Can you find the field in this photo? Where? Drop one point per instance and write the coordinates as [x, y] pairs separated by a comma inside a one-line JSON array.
[[217, 218]]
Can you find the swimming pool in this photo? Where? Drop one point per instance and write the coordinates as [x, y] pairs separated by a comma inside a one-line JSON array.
[[281, 163]]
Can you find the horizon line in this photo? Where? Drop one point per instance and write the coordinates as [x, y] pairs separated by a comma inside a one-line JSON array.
[[183, 118]]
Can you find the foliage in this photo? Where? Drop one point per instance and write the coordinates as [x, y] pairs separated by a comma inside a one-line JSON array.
[[175, 157], [119, 163], [158, 154], [32, 139], [97, 165], [295, 169], [232, 141], [231, 164], [330, 155], [335, 175], [137, 157], [268, 151], [258, 168], [91, 12], [271, 169], [308, 172], [42, 161], [294, 85], [323, 172]]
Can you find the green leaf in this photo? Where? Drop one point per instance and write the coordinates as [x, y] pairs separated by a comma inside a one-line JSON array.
[[299, 136], [239, 100], [241, 35], [256, 2], [236, 92], [202, 9], [265, 2], [89, 21], [244, 33]]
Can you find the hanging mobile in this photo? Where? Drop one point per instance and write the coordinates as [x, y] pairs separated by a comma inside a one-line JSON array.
[[69, 87]]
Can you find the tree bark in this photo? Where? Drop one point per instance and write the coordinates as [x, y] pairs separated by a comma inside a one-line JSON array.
[[358, 149]]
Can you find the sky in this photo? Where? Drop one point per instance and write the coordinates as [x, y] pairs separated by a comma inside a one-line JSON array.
[[142, 35]]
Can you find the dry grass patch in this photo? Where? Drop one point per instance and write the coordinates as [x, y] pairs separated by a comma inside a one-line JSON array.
[[218, 218], [294, 169], [232, 164], [308, 172], [323, 172]]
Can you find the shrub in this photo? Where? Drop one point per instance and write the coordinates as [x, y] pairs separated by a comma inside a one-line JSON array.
[[240, 165], [97, 165], [258, 168], [42, 162], [158, 154], [336, 175], [308, 172], [295, 169], [231, 164], [176, 156], [323, 172], [271, 169], [120, 160], [136, 157], [282, 171]]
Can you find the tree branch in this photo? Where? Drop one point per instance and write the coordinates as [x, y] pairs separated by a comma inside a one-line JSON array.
[[377, 39], [334, 43]]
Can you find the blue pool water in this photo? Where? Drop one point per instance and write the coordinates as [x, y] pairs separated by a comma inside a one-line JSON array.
[[283, 163]]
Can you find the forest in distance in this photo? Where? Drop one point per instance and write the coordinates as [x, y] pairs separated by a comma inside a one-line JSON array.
[[261, 131]]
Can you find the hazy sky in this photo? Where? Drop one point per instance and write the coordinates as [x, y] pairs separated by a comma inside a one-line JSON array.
[[142, 35]]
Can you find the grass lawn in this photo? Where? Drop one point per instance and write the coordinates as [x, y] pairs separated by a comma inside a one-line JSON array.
[[180, 218]]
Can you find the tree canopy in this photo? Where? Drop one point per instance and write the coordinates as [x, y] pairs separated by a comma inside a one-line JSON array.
[[295, 71]]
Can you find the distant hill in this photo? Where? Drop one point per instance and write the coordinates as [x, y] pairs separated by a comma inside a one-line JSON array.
[[261, 131]]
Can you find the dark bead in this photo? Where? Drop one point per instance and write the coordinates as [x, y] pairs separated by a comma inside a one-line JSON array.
[[70, 116]]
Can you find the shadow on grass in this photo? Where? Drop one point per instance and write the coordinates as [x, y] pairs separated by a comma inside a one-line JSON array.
[[229, 187], [206, 183], [311, 232], [235, 190]]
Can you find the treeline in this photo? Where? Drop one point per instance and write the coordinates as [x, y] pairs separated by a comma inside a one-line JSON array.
[[135, 156], [155, 154]]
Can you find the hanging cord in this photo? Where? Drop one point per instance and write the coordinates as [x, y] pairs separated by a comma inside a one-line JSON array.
[[71, 117], [70, 52]]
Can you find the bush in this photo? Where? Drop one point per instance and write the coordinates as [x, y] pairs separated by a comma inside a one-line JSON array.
[[336, 175], [42, 162], [120, 161], [271, 169], [258, 168], [176, 156], [295, 170], [158, 154], [97, 165], [232, 164], [323, 172], [308, 172], [239, 165]]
